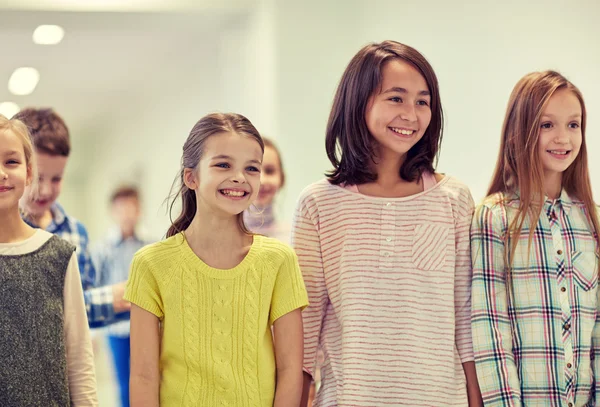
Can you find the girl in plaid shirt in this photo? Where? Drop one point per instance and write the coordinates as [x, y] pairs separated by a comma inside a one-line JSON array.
[[535, 255]]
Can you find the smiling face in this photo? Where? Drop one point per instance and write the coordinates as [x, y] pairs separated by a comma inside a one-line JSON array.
[[398, 115], [15, 171], [271, 177], [39, 198], [560, 135], [227, 178]]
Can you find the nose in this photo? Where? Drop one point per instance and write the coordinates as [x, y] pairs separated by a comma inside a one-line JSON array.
[[562, 136], [238, 177], [44, 188], [408, 113], [3, 174]]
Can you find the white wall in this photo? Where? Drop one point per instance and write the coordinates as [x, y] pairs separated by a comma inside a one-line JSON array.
[[281, 64]]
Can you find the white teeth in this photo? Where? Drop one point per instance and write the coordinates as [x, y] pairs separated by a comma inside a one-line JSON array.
[[232, 193], [402, 131], [559, 152]]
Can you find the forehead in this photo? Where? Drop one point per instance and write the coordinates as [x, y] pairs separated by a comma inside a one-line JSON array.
[[270, 156], [10, 142], [399, 73], [563, 103], [50, 164], [236, 145], [125, 200]]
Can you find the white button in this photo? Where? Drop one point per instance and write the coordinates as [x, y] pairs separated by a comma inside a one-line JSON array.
[[388, 204], [388, 239], [386, 254]]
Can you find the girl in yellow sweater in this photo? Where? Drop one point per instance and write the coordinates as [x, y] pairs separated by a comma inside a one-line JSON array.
[[204, 300]]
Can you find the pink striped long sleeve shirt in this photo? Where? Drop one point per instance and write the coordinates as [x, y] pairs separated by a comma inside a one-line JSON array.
[[389, 284]]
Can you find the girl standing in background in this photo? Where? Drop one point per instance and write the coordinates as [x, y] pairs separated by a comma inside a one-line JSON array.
[[263, 219]]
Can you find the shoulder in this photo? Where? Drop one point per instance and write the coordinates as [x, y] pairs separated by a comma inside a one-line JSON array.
[[454, 188], [163, 252], [491, 213], [495, 202], [274, 250], [319, 190]]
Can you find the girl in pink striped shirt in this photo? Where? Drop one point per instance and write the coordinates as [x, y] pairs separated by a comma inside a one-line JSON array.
[[383, 245]]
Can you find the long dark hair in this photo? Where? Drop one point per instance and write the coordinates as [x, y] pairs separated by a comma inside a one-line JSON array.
[[349, 143], [193, 149]]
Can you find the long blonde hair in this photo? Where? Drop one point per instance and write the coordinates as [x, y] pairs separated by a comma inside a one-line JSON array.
[[519, 168]]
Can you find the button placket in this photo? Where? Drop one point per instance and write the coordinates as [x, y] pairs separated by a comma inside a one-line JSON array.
[[388, 219]]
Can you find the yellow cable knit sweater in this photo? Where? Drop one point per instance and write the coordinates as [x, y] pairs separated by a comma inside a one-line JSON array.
[[216, 345]]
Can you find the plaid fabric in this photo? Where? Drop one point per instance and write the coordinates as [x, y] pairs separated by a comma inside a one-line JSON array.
[[533, 337]]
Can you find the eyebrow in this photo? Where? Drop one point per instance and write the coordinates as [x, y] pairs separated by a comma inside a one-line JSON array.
[[226, 157], [574, 115], [402, 90], [11, 152]]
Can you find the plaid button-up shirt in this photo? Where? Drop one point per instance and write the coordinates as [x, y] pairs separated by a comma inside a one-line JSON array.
[[536, 339]]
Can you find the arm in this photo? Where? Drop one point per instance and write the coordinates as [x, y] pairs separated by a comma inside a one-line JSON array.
[[306, 383], [306, 242], [106, 305], [288, 356], [462, 297], [84, 258], [80, 356], [492, 335], [473, 391], [105, 302], [145, 348]]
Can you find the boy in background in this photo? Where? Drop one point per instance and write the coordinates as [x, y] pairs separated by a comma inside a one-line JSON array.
[[112, 258], [51, 140]]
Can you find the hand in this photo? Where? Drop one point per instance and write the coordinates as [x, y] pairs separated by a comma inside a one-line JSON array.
[[119, 304]]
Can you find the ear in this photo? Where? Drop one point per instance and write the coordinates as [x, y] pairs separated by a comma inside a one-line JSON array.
[[29, 179], [190, 178]]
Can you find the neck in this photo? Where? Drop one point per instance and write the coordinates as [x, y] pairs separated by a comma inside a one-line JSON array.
[[387, 167], [553, 185], [210, 231], [42, 220], [126, 234], [14, 229]]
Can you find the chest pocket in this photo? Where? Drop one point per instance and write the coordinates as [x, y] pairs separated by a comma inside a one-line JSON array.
[[429, 246], [585, 269]]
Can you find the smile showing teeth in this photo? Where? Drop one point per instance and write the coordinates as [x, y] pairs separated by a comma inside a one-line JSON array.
[[231, 192], [558, 152], [404, 132]]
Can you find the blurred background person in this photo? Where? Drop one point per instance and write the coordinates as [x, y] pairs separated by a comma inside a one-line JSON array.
[[112, 257], [261, 217]]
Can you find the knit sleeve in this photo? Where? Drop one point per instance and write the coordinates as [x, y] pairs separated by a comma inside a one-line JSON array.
[[289, 292], [142, 286]]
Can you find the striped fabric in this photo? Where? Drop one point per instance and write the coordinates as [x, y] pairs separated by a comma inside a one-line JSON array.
[[533, 337], [389, 283]]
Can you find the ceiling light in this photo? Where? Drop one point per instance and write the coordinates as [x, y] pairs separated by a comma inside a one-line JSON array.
[[48, 34], [23, 81], [8, 109]]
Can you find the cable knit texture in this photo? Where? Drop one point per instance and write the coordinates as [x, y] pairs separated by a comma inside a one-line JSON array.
[[216, 345]]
